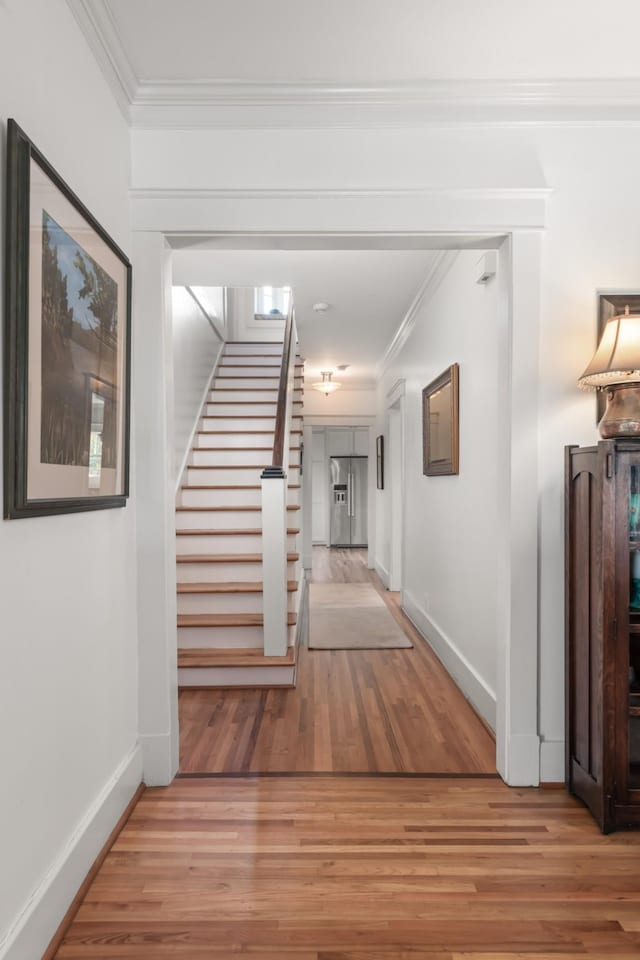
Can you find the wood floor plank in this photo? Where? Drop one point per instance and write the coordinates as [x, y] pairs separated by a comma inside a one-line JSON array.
[[370, 868]]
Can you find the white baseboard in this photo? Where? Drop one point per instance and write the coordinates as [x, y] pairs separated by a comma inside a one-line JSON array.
[[461, 670], [552, 761], [32, 931], [159, 758], [383, 573]]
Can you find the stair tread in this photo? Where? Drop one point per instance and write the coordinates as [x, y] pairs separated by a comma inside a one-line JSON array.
[[245, 416], [255, 366], [249, 389], [231, 586], [257, 532], [250, 376], [229, 509], [235, 433], [229, 558], [231, 486], [230, 449], [235, 466], [227, 619], [249, 403], [251, 657]]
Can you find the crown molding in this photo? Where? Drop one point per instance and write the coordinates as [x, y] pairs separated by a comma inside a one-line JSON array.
[[161, 103], [231, 104], [573, 92], [440, 266], [101, 33], [320, 193]]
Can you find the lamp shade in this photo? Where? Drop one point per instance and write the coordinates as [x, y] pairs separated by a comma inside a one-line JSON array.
[[617, 359]]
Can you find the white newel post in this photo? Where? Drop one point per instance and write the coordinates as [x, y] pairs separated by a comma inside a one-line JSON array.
[[274, 561]]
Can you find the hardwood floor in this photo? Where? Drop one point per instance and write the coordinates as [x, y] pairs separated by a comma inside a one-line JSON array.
[[326, 868], [347, 867], [352, 711]]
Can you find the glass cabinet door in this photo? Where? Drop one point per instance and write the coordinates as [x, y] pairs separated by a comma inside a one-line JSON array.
[[633, 666]]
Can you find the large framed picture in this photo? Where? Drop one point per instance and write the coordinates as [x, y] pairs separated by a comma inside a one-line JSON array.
[[67, 347], [440, 424]]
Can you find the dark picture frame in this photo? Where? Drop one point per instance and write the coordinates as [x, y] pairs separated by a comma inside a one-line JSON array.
[[67, 347], [611, 304], [380, 462], [440, 424]]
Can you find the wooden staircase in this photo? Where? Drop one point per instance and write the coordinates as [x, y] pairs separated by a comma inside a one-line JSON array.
[[219, 526]]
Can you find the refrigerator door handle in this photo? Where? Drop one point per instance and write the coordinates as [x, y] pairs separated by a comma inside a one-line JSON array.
[[350, 496]]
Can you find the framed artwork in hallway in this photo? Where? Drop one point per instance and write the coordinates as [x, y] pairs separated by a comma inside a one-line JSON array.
[[440, 424], [380, 462], [67, 344]]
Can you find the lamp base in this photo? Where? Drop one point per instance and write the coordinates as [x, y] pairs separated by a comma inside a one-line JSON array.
[[622, 414]]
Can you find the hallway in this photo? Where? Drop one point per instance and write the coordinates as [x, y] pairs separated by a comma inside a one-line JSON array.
[[352, 711]]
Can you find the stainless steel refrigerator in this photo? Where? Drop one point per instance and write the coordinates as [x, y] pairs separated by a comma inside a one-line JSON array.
[[348, 497]]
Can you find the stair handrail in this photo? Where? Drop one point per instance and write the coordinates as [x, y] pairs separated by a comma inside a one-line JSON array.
[[274, 506], [280, 458]]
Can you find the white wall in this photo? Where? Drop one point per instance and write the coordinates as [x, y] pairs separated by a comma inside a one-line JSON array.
[[344, 404], [213, 301], [450, 564], [68, 680], [196, 348]]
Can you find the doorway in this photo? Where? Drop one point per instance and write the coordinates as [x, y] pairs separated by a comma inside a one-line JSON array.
[[518, 744]]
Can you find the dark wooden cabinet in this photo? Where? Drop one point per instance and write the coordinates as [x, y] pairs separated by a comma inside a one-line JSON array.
[[602, 519]]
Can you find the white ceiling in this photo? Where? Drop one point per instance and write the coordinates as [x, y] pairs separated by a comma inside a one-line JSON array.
[[332, 63], [370, 292], [351, 41]]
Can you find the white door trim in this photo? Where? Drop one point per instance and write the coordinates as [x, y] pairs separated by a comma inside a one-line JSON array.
[[518, 746]]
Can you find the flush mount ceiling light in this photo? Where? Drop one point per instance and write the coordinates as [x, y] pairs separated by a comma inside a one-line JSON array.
[[321, 306], [327, 385]]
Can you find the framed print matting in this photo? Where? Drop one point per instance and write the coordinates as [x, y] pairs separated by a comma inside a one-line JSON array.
[[67, 347]]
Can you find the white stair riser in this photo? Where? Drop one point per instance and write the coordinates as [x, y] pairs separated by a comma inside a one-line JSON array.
[[238, 423], [252, 381], [225, 572], [221, 543], [229, 498], [261, 369], [232, 475], [264, 349], [234, 457], [226, 603], [220, 637], [233, 440], [220, 498], [236, 676], [224, 519], [248, 395], [226, 408]]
